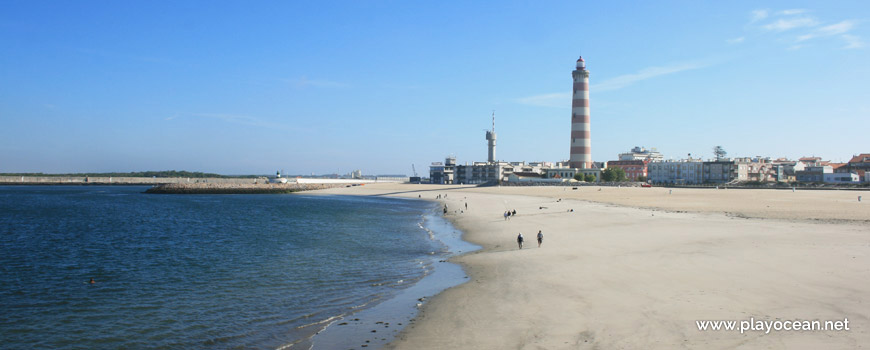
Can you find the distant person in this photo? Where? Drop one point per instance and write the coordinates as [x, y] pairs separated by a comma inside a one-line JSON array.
[[540, 238], [92, 281], [514, 213], [466, 205], [520, 240]]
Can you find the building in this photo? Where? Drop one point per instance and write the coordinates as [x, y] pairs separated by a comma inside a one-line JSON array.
[[532, 177], [786, 169], [560, 173], [861, 161], [814, 173], [725, 171], [860, 164], [694, 171], [641, 153], [687, 171], [443, 173], [841, 178], [760, 169], [634, 169], [482, 172], [581, 140], [811, 161], [490, 139]]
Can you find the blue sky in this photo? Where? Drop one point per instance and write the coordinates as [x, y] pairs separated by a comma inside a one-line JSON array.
[[324, 87]]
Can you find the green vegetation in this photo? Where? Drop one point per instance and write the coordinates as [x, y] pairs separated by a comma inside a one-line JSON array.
[[641, 178], [719, 152], [160, 174], [613, 175], [579, 177], [589, 178]]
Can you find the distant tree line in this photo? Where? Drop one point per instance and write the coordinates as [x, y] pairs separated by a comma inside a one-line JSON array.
[[586, 177], [613, 175], [608, 175], [161, 174]]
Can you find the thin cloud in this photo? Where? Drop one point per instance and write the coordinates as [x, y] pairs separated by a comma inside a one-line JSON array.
[[792, 19], [782, 25], [647, 73], [736, 40], [758, 15], [547, 100], [791, 12], [805, 27], [838, 28], [842, 27], [852, 41]]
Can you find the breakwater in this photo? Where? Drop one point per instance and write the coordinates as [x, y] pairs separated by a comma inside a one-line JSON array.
[[237, 188], [95, 180]]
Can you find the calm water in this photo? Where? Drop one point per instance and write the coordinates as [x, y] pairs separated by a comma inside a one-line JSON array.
[[196, 271]]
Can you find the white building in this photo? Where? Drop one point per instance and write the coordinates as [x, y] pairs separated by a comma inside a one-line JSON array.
[[641, 153], [842, 178], [560, 173]]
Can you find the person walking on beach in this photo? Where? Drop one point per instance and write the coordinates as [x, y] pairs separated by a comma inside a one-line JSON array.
[[540, 238], [520, 240]]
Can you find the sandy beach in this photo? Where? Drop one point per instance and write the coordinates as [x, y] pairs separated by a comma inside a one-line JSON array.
[[636, 268]]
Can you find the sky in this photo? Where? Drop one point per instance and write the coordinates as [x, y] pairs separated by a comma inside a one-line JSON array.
[[237, 87]]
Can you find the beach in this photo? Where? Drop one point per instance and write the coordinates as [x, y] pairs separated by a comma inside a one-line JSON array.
[[642, 267]]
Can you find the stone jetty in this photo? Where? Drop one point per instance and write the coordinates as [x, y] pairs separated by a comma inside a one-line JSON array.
[[237, 188]]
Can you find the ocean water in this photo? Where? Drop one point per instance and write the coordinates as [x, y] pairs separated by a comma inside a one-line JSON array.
[[199, 271]]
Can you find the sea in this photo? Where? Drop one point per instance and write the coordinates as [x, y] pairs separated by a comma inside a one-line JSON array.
[[285, 271]]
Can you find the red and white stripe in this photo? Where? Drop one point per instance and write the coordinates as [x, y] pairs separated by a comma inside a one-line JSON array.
[[581, 140]]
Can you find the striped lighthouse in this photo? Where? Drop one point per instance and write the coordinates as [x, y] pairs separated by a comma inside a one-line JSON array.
[[581, 141]]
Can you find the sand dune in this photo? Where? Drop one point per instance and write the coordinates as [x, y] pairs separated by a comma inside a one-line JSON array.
[[635, 268]]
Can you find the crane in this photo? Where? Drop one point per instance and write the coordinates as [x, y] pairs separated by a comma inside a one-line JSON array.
[[414, 169]]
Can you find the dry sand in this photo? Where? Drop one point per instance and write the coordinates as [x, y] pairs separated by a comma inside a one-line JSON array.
[[635, 268]]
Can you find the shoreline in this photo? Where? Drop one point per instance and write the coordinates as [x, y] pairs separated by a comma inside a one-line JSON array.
[[375, 326], [610, 275]]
